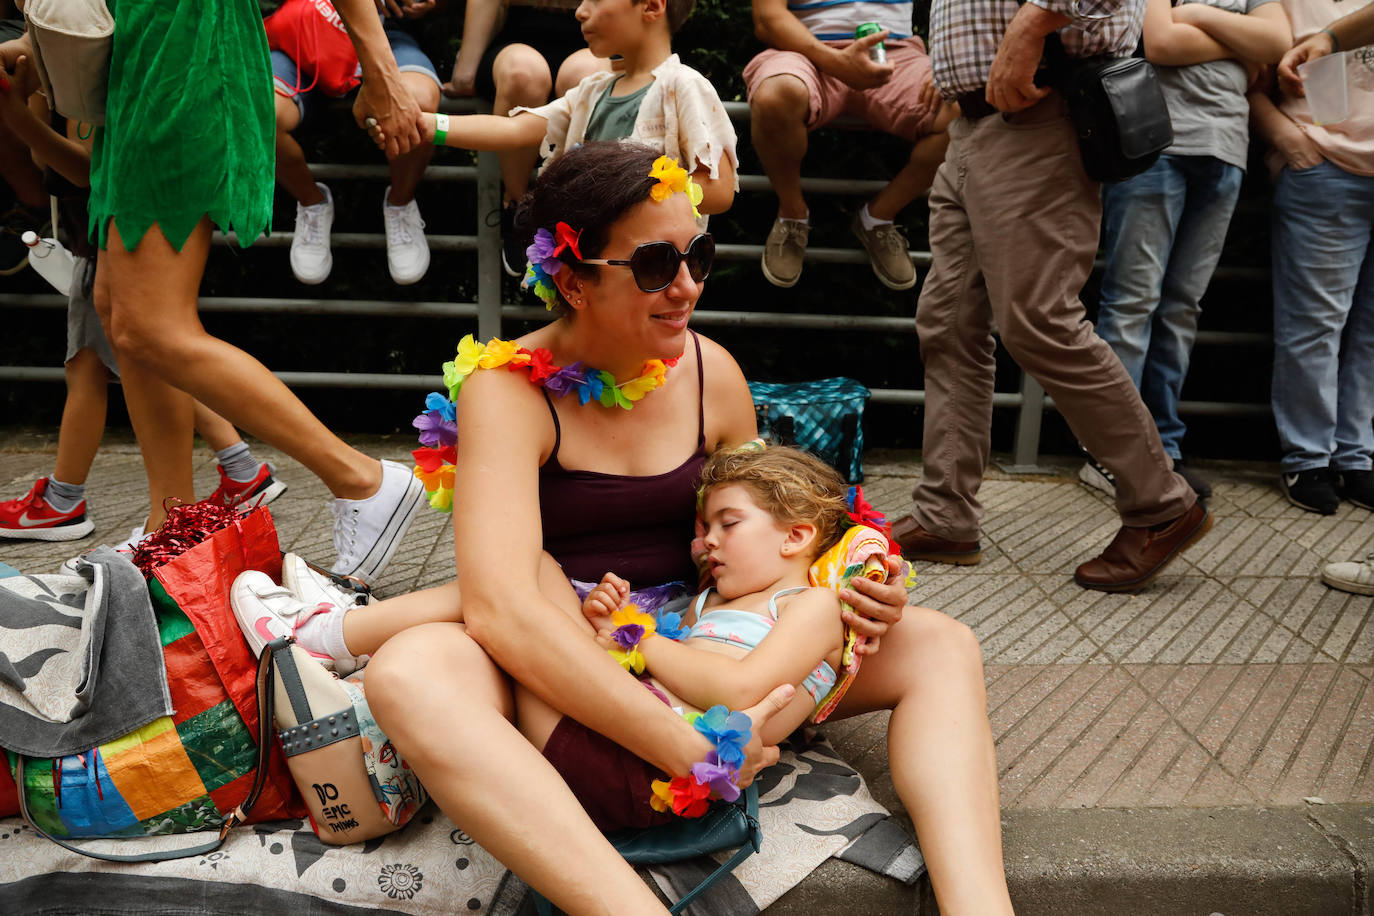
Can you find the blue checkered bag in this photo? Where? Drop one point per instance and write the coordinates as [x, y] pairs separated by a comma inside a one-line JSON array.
[[824, 417]]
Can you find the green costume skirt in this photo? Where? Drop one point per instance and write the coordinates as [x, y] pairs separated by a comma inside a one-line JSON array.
[[189, 127]]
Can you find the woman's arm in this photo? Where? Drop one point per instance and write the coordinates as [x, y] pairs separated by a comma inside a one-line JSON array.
[[382, 96], [497, 543], [1261, 35], [808, 630]]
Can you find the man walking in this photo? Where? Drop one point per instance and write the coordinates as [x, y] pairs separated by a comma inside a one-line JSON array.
[[1014, 227]]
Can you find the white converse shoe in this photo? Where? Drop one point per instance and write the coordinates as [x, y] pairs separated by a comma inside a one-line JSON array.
[[311, 258], [407, 252], [315, 587], [266, 611], [368, 531]]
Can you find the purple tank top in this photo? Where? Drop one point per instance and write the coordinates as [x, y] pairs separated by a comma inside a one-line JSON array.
[[639, 528]]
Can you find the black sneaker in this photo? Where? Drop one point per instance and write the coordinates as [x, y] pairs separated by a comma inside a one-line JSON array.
[[1201, 485], [512, 254], [1313, 490], [1358, 488]]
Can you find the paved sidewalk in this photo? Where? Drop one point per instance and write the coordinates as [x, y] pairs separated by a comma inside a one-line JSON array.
[[1202, 747]]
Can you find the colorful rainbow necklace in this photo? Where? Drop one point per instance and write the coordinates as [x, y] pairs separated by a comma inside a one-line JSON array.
[[438, 422]]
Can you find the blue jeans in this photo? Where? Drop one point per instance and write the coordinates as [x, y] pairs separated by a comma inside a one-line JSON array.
[[1323, 257], [1164, 231]]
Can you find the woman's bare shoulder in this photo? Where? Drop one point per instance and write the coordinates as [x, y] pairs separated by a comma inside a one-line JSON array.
[[729, 407]]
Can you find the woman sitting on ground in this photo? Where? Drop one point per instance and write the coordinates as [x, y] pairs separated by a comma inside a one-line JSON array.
[[548, 486]]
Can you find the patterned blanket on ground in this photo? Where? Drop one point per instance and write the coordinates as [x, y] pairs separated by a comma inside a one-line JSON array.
[[812, 806]]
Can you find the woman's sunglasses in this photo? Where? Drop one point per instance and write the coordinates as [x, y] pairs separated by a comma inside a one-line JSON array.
[[655, 263]]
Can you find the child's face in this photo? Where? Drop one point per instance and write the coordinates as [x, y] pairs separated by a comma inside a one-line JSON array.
[[744, 543], [611, 26]]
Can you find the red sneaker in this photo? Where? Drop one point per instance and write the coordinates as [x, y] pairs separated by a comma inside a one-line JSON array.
[[32, 519], [261, 490]]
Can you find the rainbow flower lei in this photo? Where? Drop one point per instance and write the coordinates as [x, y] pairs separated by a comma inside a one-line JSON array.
[[544, 252], [686, 796], [438, 426], [690, 796]]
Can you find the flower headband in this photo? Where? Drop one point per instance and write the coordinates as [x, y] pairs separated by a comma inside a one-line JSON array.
[[543, 253]]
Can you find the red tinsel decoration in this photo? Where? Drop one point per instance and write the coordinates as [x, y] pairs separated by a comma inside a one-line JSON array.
[[186, 526]]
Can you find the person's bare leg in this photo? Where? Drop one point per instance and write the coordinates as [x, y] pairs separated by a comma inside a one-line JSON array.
[[217, 432], [157, 332], [293, 172], [929, 672], [576, 67], [914, 179], [83, 416], [777, 119], [368, 626], [155, 276], [409, 168], [447, 708], [522, 77]]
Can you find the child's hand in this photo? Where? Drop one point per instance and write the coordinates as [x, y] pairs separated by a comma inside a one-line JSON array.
[[378, 135], [604, 600]]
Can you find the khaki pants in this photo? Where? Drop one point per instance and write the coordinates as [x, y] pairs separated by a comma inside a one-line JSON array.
[[1014, 226]]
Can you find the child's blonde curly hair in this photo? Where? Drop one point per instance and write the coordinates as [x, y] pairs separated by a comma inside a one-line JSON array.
[[788, 484]]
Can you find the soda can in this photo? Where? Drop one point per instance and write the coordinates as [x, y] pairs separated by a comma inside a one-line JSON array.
[[877, 53]]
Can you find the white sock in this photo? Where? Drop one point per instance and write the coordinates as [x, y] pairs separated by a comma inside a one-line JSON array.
[[804, 221], [324, 633], [868, 220]]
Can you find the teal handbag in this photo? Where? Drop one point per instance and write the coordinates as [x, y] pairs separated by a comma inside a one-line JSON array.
[[726, 826]]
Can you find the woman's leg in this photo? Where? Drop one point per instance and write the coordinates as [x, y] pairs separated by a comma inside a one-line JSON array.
[[154, 279], [929, 672], [217, 432], [368, 626], [161, 342], [83, 416], [447, 708]]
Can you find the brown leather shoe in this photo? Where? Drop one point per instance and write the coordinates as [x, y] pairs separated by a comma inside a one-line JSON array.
[[1136, 555], [919, 544]]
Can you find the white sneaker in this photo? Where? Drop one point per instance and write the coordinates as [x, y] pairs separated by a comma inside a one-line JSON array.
[[368, 531], [126, 546], [315, 587], [1097, 477], [266, 611], [1354, 576], [407, 252], [311, 259]]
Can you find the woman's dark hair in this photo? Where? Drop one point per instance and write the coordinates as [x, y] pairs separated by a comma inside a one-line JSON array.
[[589, 188]]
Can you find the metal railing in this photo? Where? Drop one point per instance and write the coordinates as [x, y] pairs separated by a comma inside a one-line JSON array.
[[489, 311]]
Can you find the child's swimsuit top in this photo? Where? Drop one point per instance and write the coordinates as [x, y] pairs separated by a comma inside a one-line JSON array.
[[743, 628], [636, 527]]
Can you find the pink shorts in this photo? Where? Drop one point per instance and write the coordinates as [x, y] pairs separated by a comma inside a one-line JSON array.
[[894, 107]]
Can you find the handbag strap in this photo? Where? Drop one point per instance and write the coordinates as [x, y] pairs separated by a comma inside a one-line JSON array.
[[238, 816], [751, 815]]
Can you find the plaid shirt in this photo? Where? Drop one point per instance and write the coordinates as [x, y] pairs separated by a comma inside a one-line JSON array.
[[964, 35]]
